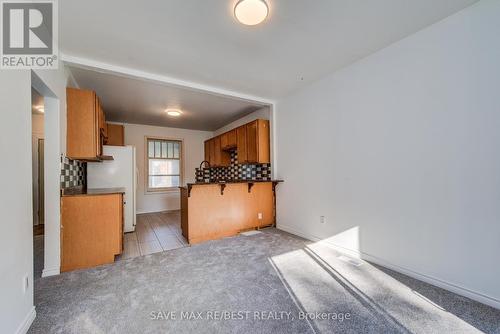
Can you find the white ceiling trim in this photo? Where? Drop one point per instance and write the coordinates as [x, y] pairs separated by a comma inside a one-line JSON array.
[[142, 75]]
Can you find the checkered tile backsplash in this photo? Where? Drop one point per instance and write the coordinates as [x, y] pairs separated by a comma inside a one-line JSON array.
[[257, 172], [73, 173]]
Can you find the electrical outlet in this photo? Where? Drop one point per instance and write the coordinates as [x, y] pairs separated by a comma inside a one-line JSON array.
[[26, 283], [322, 219], [259, 215]]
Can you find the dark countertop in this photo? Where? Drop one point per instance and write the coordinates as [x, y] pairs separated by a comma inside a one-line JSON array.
[[229, 182], [78, 191]]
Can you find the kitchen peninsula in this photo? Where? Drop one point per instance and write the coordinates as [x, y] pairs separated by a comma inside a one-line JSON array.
[[211, 211], [234, 192]]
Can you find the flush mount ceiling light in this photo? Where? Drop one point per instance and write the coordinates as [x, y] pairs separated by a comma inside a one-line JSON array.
[[251, 12], [173, 112]]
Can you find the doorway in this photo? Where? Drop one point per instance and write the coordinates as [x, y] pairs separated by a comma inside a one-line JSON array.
[[38, 179]]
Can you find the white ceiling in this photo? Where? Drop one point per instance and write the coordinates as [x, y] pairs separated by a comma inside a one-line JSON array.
[[136, 101], [200, 41]]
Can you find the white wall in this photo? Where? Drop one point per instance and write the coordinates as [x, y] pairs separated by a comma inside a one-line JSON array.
[[16, 240], [16, 248], [193, 155], [262, 113], [401, 152], [37, 129]]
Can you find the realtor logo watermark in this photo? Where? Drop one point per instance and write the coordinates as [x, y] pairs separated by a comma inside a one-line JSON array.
[[29, 34]]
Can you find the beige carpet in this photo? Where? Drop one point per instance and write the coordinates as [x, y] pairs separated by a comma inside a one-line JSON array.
[[268, 280]]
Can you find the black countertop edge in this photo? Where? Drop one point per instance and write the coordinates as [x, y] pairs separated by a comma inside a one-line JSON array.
[[79, 191], [230, 182]]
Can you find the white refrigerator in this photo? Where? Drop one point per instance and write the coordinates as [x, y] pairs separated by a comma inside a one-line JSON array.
[[120, 172]]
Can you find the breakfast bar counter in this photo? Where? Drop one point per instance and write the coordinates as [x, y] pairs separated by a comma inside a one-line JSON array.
[[216, 210]]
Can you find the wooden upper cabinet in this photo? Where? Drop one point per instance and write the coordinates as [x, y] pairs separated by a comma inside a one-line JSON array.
[[256, 137], [103, 126], [99, 131], [221, 158], [217, 152], [207, 151], [83, 115], [211, 150], [228, 140], [102, 118], [241, 144], [252, 143], [223, 140], [115, 134], [250, 140]]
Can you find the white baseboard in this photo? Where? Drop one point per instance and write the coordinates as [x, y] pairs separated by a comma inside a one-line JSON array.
[[46, 272], [27, 321], [479, 297]]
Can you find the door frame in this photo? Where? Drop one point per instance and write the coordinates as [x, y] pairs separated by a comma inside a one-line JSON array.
[[54, 106], [41, 181], [35, 137]]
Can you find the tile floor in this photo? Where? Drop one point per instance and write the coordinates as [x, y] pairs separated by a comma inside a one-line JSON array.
[[154, 232]]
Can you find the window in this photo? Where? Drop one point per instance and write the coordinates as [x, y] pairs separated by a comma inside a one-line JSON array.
[[164, 164]]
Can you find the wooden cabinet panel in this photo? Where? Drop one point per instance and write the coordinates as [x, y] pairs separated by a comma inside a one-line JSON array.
[[184, 213], [228, 140], [91, 230], [116, 135], [231, 139], [211, 150], [241, 144], [86, 125], [223, 140], [208, 216], [263, 142], [252, 144], [105, 125], [257, 139], [222, 158], [82, 124], [214, 153], [250, 140], [121, 222], [102, 124], [217, 152], [207, 151], [102, 121]]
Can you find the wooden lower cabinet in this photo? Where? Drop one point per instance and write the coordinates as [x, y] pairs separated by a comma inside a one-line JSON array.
[[91, 230], [208, 215]]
